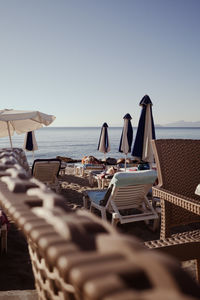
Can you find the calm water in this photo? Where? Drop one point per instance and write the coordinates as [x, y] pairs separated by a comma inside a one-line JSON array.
[[75, 142]]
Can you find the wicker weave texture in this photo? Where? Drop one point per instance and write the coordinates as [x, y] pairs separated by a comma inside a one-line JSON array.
[[178, 175], [75, 255], [178, 162]]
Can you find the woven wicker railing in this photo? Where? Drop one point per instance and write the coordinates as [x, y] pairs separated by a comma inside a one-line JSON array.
[[75, 255]]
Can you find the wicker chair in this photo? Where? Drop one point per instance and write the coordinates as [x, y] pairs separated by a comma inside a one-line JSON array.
[[77, 256], [178, 169]]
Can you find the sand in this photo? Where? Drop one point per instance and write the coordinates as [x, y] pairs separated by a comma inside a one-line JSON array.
[[15, 266]]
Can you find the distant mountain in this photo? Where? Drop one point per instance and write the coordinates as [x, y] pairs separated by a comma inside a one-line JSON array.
[[182, 123]]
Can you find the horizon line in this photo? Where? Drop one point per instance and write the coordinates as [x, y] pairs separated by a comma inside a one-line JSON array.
[[119, 126]]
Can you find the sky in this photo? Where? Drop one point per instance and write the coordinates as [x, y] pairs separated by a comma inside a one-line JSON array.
[[91, 61]]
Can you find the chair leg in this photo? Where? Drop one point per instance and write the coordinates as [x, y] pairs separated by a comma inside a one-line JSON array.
[[115, 219], [85, 202], [103, 214], [82, 173], [91, 208], [103, 183], [165, 230], [99, 182], [198, 270], [4, 238], [102, 210], [75, 170], [91, 180]]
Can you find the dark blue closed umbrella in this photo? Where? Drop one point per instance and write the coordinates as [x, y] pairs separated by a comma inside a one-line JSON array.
[[126, 137], [30, 143], [104, 145], [142, 148]]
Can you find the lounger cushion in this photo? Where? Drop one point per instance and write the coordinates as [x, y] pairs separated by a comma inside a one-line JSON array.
[[137, 177]]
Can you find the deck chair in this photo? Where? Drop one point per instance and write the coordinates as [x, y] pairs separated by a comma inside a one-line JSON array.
[[125, 197], [47, 171], [178, 169], [84, 169]]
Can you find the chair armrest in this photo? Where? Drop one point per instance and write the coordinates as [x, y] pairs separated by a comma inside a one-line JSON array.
[[187, 203]]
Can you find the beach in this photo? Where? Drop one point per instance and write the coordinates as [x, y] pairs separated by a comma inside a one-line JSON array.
[[15, 266], [99, 83]]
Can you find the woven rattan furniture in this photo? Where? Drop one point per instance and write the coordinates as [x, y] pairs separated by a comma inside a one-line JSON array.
[[178, 162], [77, 256]]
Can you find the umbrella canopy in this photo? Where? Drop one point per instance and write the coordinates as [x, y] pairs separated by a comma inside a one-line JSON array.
[[142, 148], [21, 121], [126, 137], [104, 145]]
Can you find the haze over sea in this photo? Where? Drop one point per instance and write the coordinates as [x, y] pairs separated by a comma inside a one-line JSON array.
[[76, 142]]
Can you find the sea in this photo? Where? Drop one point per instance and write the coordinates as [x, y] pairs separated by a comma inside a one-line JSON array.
[[76, 142]]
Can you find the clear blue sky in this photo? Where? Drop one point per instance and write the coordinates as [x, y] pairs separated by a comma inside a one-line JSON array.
[[91, 61]]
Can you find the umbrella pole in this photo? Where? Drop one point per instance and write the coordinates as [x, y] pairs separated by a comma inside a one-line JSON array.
[[8, 127], [125, 161]]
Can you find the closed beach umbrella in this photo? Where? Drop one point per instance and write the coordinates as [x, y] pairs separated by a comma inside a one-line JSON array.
[[104, 145], [21, 121], [30, 143], [142, 148], [126, 137]]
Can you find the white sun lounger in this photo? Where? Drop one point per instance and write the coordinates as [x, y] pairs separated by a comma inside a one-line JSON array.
[[126, 197]]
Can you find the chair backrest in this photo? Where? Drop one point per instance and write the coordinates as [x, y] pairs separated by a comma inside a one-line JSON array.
[[131, 196], [46, 170], [178, 165], [129, 189]]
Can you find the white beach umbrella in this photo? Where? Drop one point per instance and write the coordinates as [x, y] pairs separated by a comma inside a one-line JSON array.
[[104, 145], [21, 121], [126, 137], [30, 143]]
